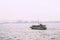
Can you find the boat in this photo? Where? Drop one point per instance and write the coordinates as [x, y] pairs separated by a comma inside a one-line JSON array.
[[39, 27]]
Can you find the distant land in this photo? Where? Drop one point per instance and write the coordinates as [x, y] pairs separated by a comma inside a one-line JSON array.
[[20, 21]]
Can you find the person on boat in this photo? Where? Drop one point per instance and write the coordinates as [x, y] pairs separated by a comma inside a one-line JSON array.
[[41, 25]]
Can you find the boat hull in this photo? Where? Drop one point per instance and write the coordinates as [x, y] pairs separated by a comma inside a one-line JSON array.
[[39, 27]]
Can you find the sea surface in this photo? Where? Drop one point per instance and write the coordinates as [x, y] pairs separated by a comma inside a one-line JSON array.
[[22, 31]]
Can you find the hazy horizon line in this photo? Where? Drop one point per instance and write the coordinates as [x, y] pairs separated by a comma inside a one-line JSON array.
[[30, 22]]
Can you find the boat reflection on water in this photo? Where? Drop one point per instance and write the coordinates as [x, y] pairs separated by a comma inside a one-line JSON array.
[[39, 27]]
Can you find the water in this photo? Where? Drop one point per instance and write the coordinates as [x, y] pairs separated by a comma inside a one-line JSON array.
[[23, 32]]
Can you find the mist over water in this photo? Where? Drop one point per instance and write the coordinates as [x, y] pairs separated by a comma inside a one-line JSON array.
[[22, 31], [40, 10]]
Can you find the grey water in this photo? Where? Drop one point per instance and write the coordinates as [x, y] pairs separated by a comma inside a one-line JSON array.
[[22, 31]]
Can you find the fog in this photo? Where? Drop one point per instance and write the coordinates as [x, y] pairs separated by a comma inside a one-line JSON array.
[[42, 10]]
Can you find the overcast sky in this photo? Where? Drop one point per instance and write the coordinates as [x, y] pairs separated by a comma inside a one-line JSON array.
[[42, 10]]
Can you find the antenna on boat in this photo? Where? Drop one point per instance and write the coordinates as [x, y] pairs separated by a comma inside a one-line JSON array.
[[38, 22]]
